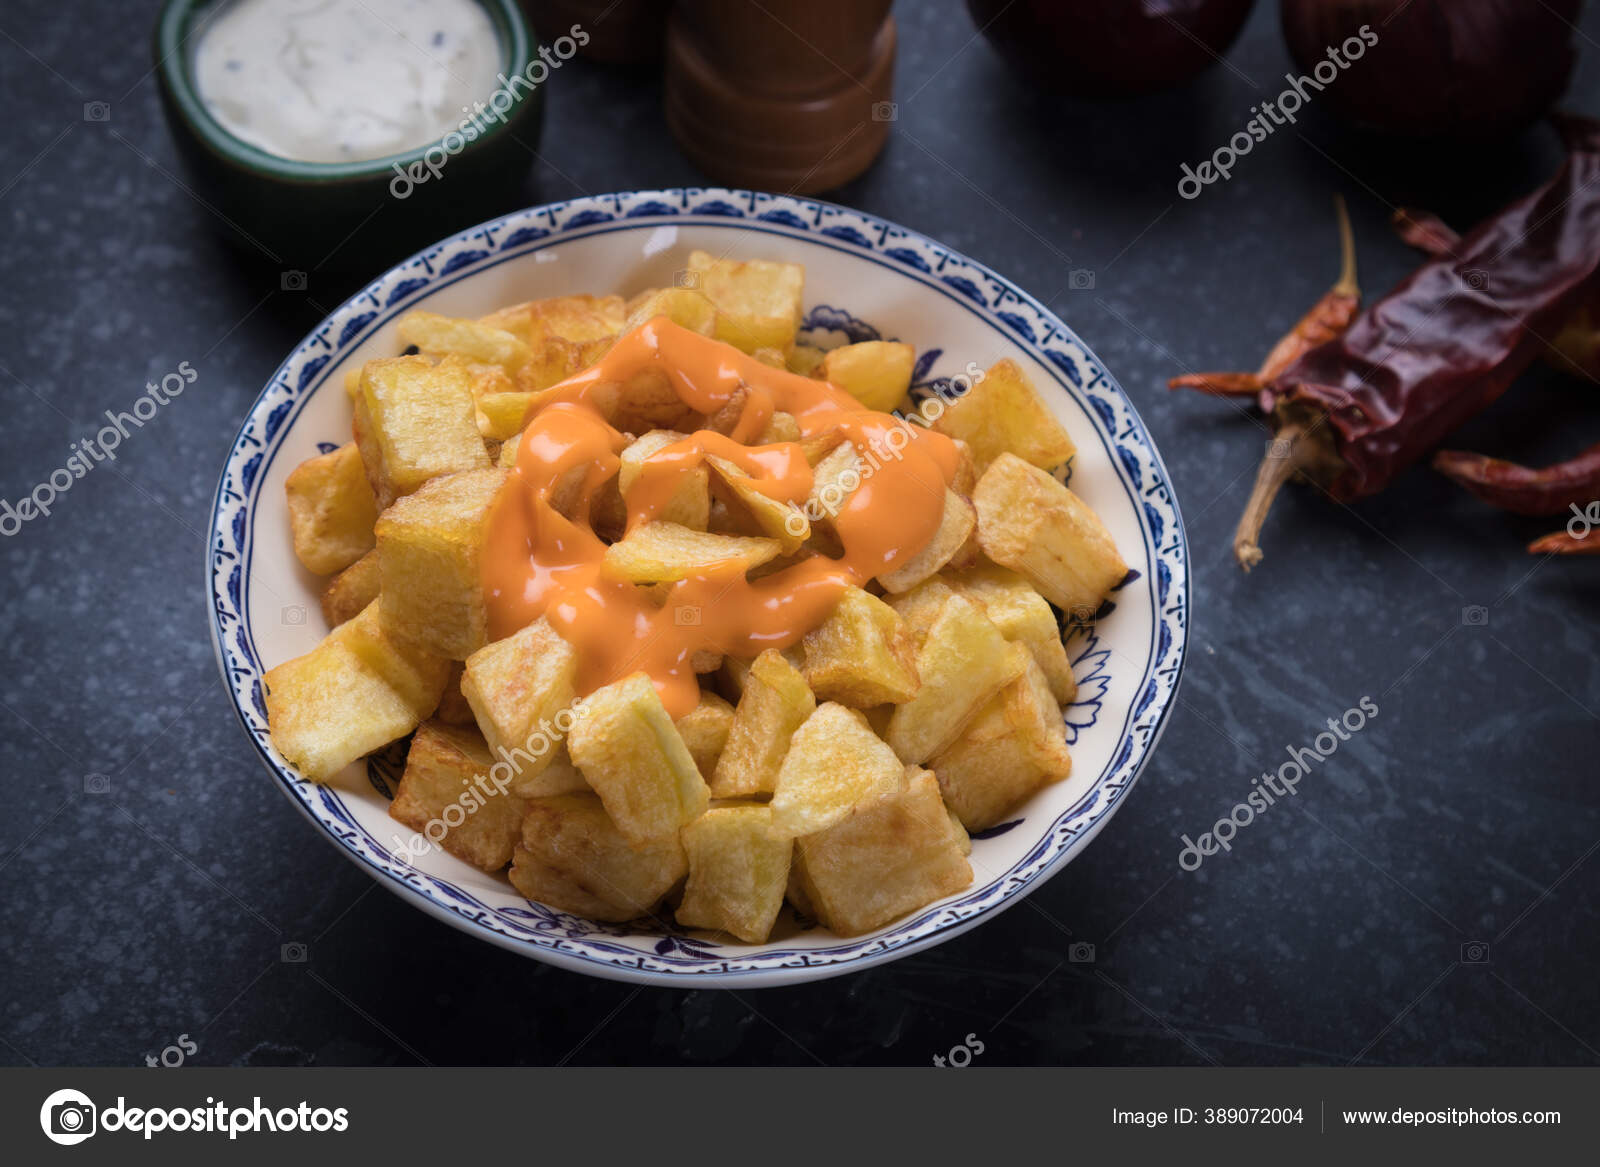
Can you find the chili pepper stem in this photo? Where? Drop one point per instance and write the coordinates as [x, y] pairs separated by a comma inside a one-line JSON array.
[[1346, 285], [1280, 464]]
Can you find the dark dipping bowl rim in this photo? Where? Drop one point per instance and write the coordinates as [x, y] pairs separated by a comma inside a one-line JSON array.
[[178, 22]]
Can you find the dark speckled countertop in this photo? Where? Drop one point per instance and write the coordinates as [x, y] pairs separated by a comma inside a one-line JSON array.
[[150, 876]]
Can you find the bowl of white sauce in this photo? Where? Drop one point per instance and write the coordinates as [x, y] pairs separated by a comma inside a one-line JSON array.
[[328, 131]]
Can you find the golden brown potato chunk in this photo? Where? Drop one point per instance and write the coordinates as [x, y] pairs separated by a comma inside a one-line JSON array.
[[705, 731], [573, 858], [356, 691], [415, 421], [521, 690], [1016, 745], [963, 662], [738, 869], [447, 767], [1029, 522], [890, 855], [331, 510], [834, 762], [430, 546], [346, 594], [636, 760], [776, 700], [758, 301], [1002, 412], [862, 655], [876, 373]]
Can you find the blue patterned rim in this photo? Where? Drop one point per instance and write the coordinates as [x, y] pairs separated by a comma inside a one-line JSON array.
[[588, 946]]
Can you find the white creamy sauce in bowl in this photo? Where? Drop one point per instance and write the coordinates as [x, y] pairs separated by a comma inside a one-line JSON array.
[[345, 80]]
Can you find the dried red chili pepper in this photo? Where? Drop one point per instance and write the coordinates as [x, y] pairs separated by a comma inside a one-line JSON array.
[[1576, 347], [1546, 490], [1566, 543], [1425, 231], [1327, 318], [1354, 412]]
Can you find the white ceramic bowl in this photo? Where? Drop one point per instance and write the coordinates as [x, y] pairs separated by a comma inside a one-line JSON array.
[[864, 278]]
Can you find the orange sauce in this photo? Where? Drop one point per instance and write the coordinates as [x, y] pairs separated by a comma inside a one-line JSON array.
[[538, 562]]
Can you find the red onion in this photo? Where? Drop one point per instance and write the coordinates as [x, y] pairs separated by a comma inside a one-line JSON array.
[[1439, 68], [1111, 47]]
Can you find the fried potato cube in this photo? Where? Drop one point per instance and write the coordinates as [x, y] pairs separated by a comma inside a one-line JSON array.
[[921, 606], [705, 731], [963, 662], [862, 655], [758, 301], [501, 416], [331, 510], [430, 544], [738, 869], [1024, 616], [564, 334], [440, 335], [453, 708], [956, 525], [876, 373], [662, 552], [834, 478], [1002, 411], [352, 694], [890, 855], [734, 674], [689, 504], [580, 318], [416, 421], [636, 760], [559, 777], [573, 858], [482, 380], [518, 688], [443, 769], [805, 359], [1016, 745], [351, 590], [685, 307], [834, 762], [1029, 522], [781, 427], [419, 676], [772, 517], [775, 702], [771, 357]]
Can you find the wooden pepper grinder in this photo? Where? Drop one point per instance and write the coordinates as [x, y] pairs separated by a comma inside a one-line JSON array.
[[782, 95]]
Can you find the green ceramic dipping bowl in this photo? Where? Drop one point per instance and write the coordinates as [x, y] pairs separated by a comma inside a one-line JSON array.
[[310, 214]]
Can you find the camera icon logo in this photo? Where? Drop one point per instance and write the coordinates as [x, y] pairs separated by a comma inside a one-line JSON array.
[[292, 281], [97, 111], [1081, 953], [1475, 616], [1080, 279], [686, 279], [1475, 278], [68, 1117], [293, 953], [686, 616], [96, 784], [1475, 952], [885, 111], [294, 616]]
